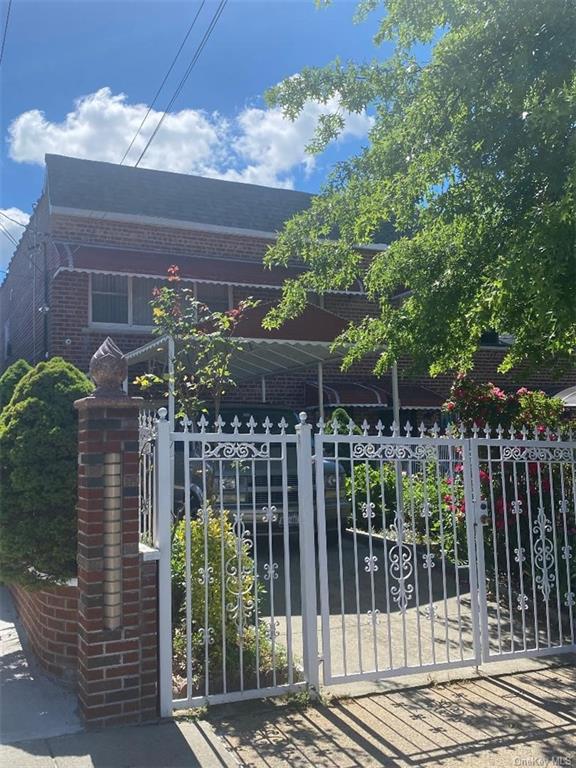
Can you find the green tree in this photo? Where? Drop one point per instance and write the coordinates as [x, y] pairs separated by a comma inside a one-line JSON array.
[[10, 378], [38, 465], [472, 159]]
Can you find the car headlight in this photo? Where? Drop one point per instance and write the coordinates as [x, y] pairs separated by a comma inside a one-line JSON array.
[[229, 483], [331, 481]]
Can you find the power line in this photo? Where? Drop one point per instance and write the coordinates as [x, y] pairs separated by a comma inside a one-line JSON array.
[[14, 220], [186, 75], [5, 30], [8, 234], [174, 60]]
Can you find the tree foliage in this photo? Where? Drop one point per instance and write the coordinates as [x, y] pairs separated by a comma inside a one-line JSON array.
[[472, 159], [38, 464], [10, 378]]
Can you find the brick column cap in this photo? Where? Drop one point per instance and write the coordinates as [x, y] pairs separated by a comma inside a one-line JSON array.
[[93, 401]]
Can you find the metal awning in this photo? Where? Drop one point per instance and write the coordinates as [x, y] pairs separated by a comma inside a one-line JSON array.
[[568, 397], [257, 358], [374, 394]]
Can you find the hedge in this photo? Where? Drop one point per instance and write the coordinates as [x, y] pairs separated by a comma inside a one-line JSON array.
[[38, 465]]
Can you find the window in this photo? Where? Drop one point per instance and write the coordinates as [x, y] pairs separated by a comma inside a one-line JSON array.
[[125, 300], [141, 297], [109, 299], [214, 296]]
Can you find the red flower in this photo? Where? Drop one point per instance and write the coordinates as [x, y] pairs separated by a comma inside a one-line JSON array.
[[173, 273], [450, 405]]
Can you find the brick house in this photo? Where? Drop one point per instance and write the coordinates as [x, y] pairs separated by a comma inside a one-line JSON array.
[[102, 235]]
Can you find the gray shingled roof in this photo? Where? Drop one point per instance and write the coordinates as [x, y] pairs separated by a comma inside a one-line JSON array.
[[96, 186]]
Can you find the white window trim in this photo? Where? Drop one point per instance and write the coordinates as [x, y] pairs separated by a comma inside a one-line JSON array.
[[130, 325]]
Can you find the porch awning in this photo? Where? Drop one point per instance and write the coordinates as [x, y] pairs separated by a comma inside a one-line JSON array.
[[140, 263], [374, 394], [299, 343], [568, 397]]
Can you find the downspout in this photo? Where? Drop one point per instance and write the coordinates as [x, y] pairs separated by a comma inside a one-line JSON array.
[[46, 292]]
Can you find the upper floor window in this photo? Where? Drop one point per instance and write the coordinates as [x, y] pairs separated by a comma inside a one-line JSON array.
[[125, 300], [109, 299], [216, 297]]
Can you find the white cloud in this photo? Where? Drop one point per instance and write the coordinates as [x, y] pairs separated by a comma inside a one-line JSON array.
[[256, 145], [6, 245]]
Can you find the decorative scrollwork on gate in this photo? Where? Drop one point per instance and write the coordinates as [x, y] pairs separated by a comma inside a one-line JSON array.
[[233, 450], [544, 554], [240, 577], [206, 575], [569, 600], [535, 453], [522, 602], [401, 567], [368, 510], [371, 564], [428, 560], [270, 571], [393, 452], [207, 635], [373, 617]]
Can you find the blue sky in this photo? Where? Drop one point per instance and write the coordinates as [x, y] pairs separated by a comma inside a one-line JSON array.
[[113, 55]]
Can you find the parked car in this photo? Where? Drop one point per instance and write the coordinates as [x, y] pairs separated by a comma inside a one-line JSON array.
[[262, 490]]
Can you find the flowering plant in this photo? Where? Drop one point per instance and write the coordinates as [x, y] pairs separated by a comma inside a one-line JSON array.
[[472, 403], [204, 344]]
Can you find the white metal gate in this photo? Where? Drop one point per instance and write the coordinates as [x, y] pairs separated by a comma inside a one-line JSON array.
[[426, 551]]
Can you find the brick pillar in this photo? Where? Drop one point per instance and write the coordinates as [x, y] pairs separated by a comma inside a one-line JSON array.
[[117, 601]]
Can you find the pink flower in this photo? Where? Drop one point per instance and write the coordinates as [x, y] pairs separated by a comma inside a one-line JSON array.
[[522, 391]]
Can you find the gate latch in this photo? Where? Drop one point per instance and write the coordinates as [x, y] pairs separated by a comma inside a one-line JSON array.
[[484, 517]]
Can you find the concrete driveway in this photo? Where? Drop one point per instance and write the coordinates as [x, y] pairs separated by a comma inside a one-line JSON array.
[[525, 718]]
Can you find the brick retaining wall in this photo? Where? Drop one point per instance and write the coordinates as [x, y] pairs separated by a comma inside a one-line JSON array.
[[50, 618]]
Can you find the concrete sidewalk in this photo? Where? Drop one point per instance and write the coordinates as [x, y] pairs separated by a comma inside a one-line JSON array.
[[32, 705], [525, 718], [189, 744]]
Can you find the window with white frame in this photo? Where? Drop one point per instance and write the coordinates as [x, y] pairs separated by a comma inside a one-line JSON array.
[[110, 299], [125, 300]]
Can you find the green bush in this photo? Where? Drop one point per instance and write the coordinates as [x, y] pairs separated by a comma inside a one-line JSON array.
[[427, 498], [38, 464], [212, 544], [10, 378]]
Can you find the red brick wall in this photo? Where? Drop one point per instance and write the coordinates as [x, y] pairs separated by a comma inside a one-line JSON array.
[[117, 667], [50, 618], [170, 240], [22, 292]]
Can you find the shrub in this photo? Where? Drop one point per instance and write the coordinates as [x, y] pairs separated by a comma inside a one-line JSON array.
[[428, 497], [212, 543], [10, 378], [471, 402], [38, 450]]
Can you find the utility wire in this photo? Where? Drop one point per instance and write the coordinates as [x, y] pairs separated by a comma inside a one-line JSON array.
[[14, 220], [174, 60], [8, 234], [5, 30], [185, 77]]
